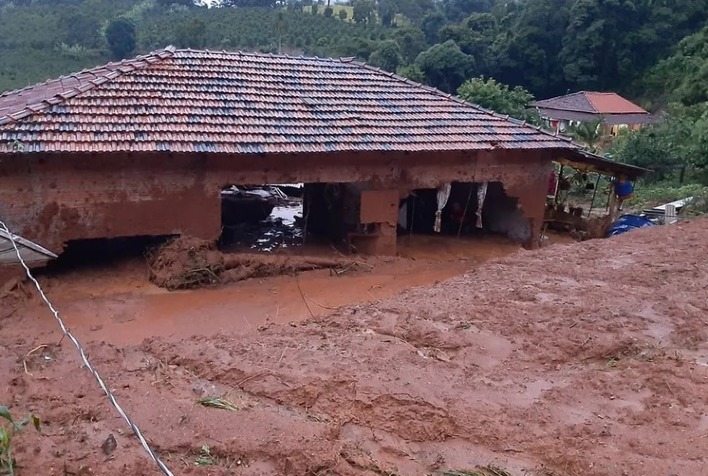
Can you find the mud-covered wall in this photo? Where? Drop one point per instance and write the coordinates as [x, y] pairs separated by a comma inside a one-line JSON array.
[[501, 214], [56, 198]]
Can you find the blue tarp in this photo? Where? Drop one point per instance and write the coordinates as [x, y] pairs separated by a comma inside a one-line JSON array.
[[627, 223]]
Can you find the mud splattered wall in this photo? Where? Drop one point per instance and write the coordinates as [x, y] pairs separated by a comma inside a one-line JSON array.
[[52, 199]]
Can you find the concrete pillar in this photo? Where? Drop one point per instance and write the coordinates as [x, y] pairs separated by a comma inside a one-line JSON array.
[[379, 208], [532, 200]]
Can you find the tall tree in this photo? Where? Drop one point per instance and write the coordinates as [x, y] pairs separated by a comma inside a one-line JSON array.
[[364, 11], [387, 56], [456, 10], [527, 51], [499, 98], [411, 42], [191, 34], [588, 133], [121, 38], [445, 66], [431, 25]]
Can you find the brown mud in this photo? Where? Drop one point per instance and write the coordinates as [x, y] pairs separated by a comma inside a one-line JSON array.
[[581, 359]]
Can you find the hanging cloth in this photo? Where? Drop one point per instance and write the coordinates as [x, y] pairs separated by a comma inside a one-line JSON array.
[[403, 216], [481, 194], [443, 196]]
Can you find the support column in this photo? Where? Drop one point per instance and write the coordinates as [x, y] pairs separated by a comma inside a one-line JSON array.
[[379, 210], [532, 200]]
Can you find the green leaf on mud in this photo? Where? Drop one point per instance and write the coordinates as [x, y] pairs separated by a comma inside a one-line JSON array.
[[36, 422], [5, 413]]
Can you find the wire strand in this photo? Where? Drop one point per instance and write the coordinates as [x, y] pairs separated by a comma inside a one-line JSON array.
[[134, 428]]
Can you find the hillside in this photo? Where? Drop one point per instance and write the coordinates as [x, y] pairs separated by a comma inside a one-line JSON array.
[[545, 46]]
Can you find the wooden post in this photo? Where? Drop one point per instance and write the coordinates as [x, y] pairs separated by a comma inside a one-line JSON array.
[[558, 181], [594, 194]]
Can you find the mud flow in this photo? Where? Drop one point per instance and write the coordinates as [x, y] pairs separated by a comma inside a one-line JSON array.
[[457, 357]]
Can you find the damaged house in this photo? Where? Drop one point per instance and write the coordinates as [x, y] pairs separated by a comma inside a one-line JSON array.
[[144, 147]]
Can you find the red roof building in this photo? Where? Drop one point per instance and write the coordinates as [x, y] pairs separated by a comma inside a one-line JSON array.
[[590, 106], [143, 147]]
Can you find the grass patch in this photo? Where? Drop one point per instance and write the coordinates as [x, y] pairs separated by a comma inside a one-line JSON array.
[[664, 192], [217, 402]]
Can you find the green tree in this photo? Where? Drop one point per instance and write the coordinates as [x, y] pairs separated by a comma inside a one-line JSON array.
[[431, 25], [682, 77], [412, 72], [499, 98], [588, 133], [121, 38], [475, 37], [526, 53], [364, 11], [679, 140], [328, 11], [81, 28], [387, 56], [342, 14], [387, 10], [411, 42], [191, 34], [456, 10], [445, 66]]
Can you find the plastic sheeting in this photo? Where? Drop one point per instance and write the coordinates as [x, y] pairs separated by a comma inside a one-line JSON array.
[[443, 196]]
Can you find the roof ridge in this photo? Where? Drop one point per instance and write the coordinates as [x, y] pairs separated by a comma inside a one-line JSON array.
[[587, 98], [263, 55], [465, 103], [114, 69]]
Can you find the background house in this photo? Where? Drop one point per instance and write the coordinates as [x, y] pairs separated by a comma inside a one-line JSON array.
[[616, 112]]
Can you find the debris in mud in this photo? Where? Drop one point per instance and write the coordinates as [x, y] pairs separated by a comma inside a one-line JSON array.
[[217, 402], [109, 445], [186, 262], [12, 293], [478, 471]]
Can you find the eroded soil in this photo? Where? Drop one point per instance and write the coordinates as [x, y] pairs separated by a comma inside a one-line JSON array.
[[580, 359]]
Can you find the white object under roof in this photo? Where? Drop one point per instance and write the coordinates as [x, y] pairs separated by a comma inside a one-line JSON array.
[[677, 204], [31, 252]]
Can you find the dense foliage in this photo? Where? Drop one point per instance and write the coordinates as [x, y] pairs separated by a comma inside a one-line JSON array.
[[680, 139], [499, 98], [545, 46]]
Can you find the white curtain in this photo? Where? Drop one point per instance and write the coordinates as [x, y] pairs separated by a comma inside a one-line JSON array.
[[443, 196], [403, 216], [481, 194]]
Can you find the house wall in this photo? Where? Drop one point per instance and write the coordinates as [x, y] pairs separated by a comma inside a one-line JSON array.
[[52, 199]]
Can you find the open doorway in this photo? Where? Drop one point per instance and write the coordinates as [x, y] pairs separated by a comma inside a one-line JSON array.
[[261, 217], [462, 215]]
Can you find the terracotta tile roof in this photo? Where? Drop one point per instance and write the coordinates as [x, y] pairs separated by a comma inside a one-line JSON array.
[[592, 103], [230, 102]]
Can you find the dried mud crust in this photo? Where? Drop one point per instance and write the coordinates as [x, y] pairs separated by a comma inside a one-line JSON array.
[[187, 263], [585, 359]]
